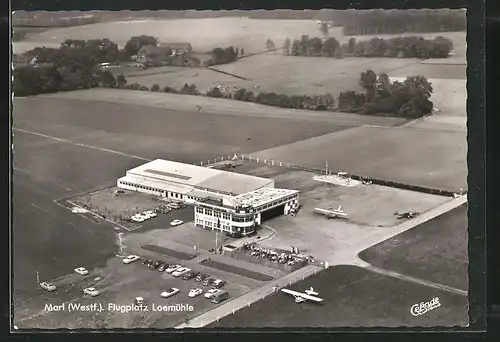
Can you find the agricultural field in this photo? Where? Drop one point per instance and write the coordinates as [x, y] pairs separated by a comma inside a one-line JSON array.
[[352, 297], [410, 156], [203, 34], [434, 251]]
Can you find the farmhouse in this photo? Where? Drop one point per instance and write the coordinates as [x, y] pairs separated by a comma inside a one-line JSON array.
[[178, 48], [222, 200], [148, 52]]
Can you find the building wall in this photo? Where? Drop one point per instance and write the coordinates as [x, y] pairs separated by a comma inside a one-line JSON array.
[[143, 189]]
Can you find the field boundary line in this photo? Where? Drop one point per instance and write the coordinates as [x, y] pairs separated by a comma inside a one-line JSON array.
[[80, 144], [398, 275], [228, 73]]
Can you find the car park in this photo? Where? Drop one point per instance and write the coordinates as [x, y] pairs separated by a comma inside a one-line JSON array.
[[208, 281], [176, 223], [195, 292], [91, 291], [48, 286], [170, 292], [130, 259], [218, 283], [201, 277], [81, 271], [181, 271], [172, 268], [210, 293]]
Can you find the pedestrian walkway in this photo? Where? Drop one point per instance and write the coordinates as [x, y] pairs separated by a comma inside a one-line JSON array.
[[247, 299]]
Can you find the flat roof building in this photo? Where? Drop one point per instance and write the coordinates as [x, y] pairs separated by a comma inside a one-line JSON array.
[[223, 200]]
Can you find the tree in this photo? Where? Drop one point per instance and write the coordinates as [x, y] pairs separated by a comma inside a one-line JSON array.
[[329, 47], [214, 92], [351, 45], [316, 46], [242, 51], [135, 43], [324, 28], [155, 87], [287, 46], [368, 81], [296, 48], [270, 44]]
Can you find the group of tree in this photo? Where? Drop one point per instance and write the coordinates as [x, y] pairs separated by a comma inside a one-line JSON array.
[[403, 47], [361, 22], [408, 99], [222, 56], [310, 47], [135, 43]]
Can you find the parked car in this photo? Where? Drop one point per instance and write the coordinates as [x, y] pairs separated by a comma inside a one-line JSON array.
[[195, 292], [91, 291], [218, 283], [149, 214], [81, 271], [163, 267], [174, 205], [208, 281], [172, 268], [137, 218], [201, 277], [170, 292], [220, 296], [48, 286], [138, 301], [181, 271], [157, 264], [189, 275], [130, 259], [210, 293], [176, 223]]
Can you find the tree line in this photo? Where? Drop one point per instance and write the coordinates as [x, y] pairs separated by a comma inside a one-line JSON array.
[[408, 99], [400, 21], [402, 47]]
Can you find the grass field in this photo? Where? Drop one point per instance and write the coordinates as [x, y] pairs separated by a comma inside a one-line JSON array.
[[157, 133], [434, 251], [203, 34], [352, 297], [411, 156]]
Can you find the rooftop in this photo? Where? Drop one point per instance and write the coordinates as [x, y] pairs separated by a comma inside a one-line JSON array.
[[176, 46], [199, 177], [262, 196]]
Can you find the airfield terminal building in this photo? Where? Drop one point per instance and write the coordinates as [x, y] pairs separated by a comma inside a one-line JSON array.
[[225, 201]]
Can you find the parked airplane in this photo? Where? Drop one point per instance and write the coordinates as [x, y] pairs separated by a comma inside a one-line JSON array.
[[406, 215], [335, 213], [303, 296]]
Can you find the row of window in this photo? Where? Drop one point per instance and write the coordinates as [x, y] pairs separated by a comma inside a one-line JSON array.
[[278, 202], [141, 187]]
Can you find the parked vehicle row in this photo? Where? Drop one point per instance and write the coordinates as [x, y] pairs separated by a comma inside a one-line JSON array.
[[91, 291], [184, 273], [215, 295], [141, 217], [287, 258]]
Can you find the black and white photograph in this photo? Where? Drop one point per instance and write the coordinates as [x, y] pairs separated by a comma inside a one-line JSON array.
[[239, 169]]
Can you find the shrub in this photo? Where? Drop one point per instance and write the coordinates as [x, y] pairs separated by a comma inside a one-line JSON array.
[[168, 89], [190, 89], [155, 87], [214, 92]]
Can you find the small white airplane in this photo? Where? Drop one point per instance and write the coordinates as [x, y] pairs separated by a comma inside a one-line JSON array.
[[301, 297], [335, 213]]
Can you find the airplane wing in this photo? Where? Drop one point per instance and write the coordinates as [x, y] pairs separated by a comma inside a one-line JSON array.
[[302, 295]]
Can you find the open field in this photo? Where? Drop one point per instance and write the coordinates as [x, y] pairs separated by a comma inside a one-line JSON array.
[[434, 251], [152, 133], [203, 34], [223, 107], [405, 155], [352, 297]]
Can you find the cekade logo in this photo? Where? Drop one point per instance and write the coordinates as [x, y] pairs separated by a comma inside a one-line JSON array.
[[424, 307]]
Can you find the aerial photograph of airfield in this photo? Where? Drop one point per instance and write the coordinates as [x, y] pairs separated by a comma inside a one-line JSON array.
[[239, 169]]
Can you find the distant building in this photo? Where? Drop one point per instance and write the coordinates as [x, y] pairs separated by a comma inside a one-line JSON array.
[[225, 201], [178, 48], [149, 52]]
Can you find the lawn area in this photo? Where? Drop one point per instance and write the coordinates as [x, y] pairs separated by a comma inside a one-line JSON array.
[[435, 251], [411, 156], [352, 297], [157, 133]]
